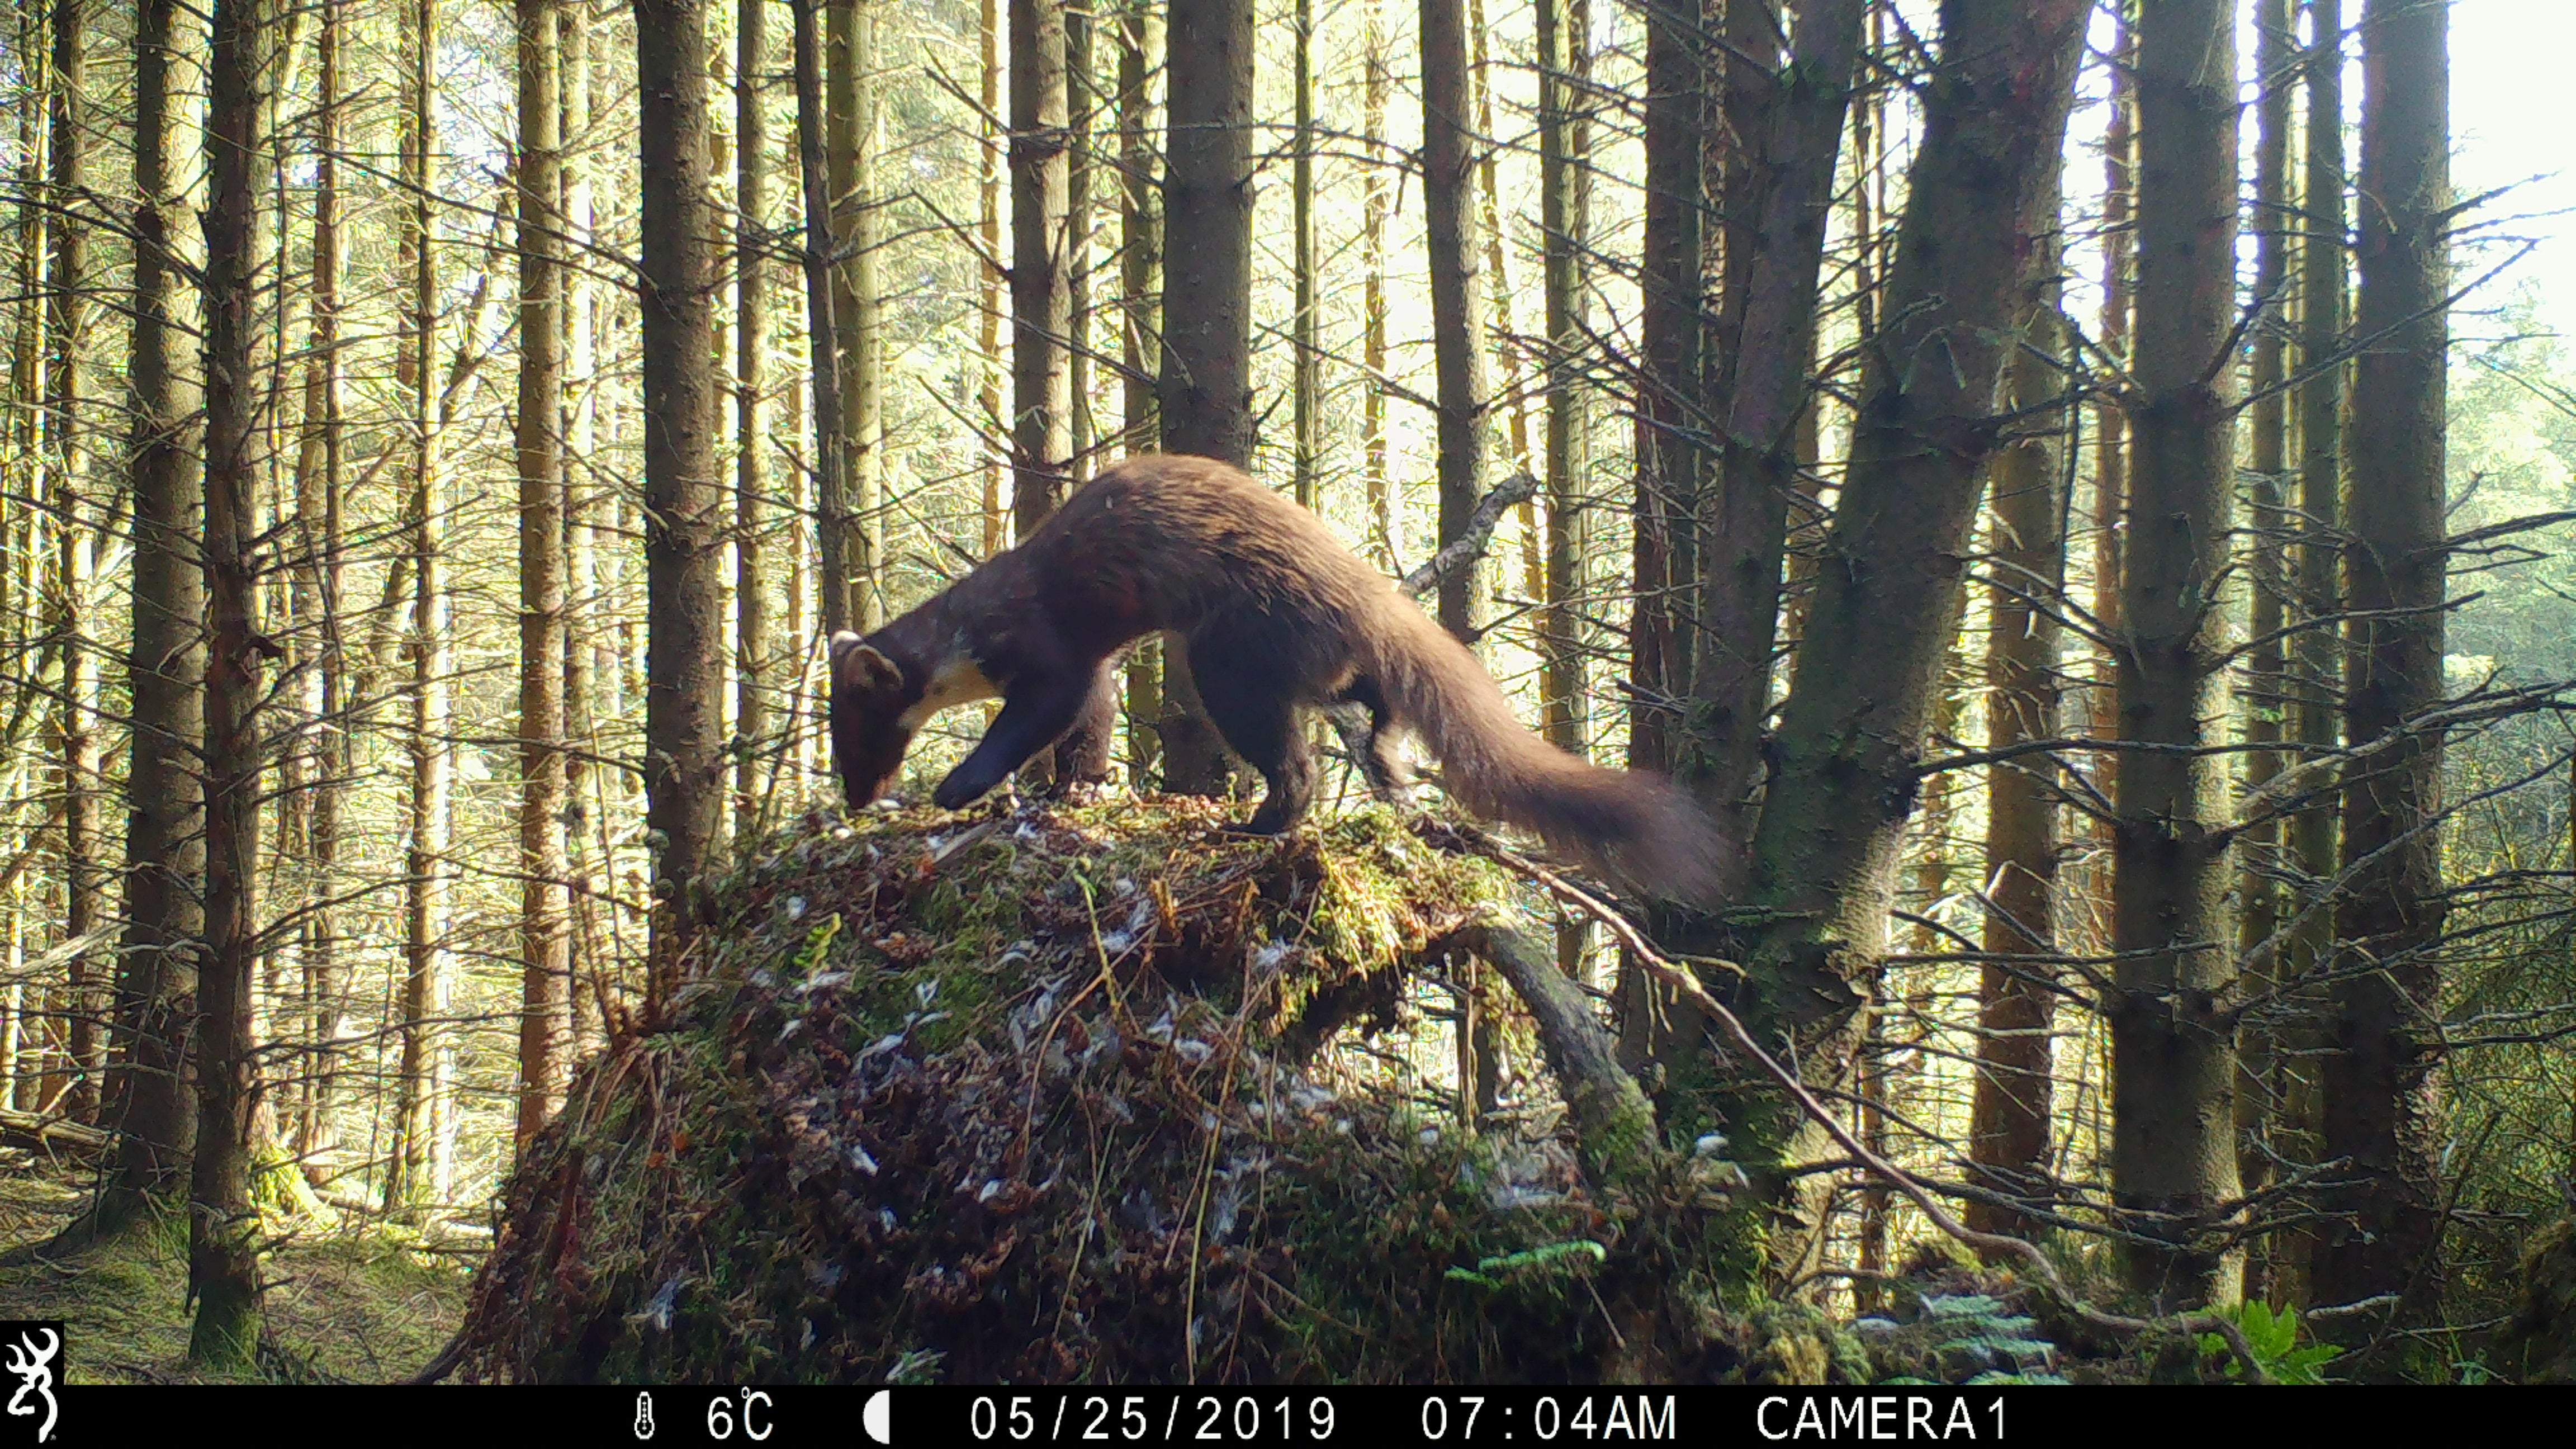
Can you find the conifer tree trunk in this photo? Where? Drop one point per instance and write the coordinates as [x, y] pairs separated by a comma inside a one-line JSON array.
[[1781, 194], [754, 678], [1457, 296], [1139, 335], [76, 692], [2261, 696], [1376, 203], [1869, 665], [842, 566], [1206, 383], [2111, 418], [223, 1227], [1565, 68], [823, 324], [409, 1168], [2317, 661], [1041, 266], [856, 138], [544, 926], [164, 840], [319, 482], [1669, 355], [1306, 377], [2173, 1151], [989, 279], [2009, 1113], [684, 525], [2385, 1002]]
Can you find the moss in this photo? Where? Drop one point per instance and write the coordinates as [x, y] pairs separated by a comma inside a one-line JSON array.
[[1022, 1104]]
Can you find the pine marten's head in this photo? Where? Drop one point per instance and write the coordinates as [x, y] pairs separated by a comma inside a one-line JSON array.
[[874, 715]]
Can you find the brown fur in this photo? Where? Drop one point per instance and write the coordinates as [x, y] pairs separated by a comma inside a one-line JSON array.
[[1276, 614]]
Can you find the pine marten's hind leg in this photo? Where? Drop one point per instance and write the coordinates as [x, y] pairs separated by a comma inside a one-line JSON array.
[[1081, 758], [1258, 717], [1390, 779]]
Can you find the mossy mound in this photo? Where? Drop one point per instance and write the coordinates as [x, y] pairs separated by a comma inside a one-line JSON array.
[[1093, 1093]]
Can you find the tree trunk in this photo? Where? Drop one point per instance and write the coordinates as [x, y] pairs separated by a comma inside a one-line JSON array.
[[1668, 334], [684, 526], [1868, 668], [823, 326], [1457, 297], [2008, 1134], [1785, 192], [164, 840], [755, 676], [1565, 137], [1782, 193], [2173, 1150], [76, 699], [989, 279], [1306, 369], [2260, 697], [546, 983], [2385, 1028], [409, 1168], [1139, 335], [319, 479], [855, 136], [2111, 418], [2323, 289], [223, 1226], [1206, 384], [1041, 266], [1376, 203]]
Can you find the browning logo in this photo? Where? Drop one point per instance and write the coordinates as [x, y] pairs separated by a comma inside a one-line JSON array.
[[32, 1351]]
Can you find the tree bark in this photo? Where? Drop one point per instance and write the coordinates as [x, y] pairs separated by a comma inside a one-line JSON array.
[[989, 279], [1139, 335], [164, 840], [1206, 383], [1376, 205], [319, 480], [684, 526], [823, 326], [1306, 370], [410, 1168], [1041, 266], [1783, 194], [1565, 149], [76, 699], [223, 1226], [2010, 1111], [855, 137], [1457, 296], [2379, 1094], [2260, 697], [2324, 264], [2173, 1150], [1668, 459], [756, 670], [1868, 668], [545, 997]]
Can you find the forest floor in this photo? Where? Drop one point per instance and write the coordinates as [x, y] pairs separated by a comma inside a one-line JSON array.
[[356, 1303]]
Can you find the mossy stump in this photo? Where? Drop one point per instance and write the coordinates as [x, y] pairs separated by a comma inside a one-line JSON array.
[[1092, 1094]]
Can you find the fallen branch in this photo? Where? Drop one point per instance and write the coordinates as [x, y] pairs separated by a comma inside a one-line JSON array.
[[1689, 985]]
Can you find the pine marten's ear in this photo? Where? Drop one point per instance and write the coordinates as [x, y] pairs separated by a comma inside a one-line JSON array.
[[860, 665]]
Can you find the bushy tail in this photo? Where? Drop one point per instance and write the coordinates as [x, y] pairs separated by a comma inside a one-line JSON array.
[[1636, 828]]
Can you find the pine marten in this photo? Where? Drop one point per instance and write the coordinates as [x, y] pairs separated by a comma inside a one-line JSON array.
[[1275, 614]]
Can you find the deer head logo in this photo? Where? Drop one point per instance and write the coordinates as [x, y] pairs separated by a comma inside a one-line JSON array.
[[34, 1368]]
